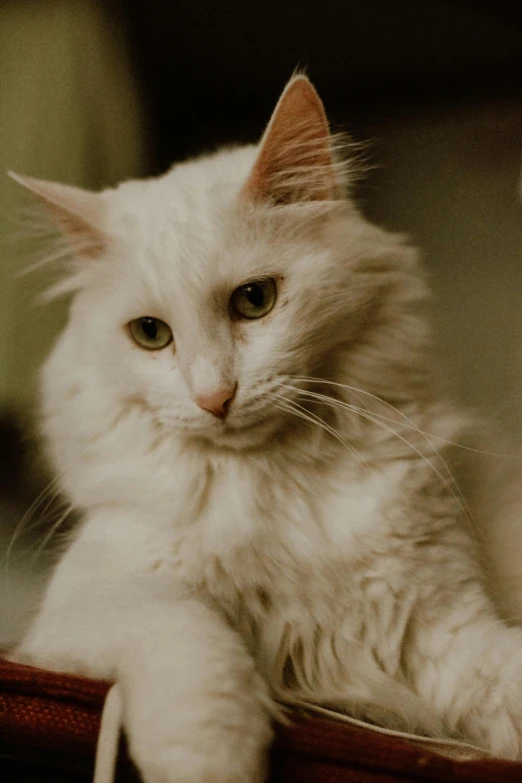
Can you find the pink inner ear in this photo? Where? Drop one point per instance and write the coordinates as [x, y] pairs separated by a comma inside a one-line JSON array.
[[79, 214], [295, 160]]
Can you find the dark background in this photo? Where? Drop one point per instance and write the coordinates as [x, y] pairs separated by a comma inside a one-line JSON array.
[[210, 71]]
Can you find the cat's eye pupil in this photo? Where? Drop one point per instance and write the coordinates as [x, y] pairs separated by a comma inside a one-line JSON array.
[[150, 328], [254, 299], [150, 333], [255, 295]]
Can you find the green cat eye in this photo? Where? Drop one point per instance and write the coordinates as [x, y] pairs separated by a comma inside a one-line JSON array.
[[254, 299], [150, 333]]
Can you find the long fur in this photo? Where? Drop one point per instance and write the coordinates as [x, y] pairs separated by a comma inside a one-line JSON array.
[[316, 544]]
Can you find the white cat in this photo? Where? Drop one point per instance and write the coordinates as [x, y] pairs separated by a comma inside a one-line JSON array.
[[238, 406]]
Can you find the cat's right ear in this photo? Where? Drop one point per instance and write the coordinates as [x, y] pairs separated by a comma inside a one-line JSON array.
[[295, 161], [78, 214]]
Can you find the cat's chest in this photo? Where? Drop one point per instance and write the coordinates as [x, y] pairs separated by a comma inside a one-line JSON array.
[[252, 535]]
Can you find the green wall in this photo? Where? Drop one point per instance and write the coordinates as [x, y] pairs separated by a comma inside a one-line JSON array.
[[69, 111]]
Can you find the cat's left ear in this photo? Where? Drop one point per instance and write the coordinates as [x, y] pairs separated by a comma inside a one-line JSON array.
[[295, 160], [79, 214]]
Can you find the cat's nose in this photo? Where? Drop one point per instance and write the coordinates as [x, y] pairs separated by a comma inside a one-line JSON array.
[[217, 403]]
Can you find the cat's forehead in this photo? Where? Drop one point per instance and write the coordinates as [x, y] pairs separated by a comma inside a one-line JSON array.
[[179, 232], [189, 198]]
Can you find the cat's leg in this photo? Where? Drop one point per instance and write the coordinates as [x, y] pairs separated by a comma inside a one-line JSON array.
[[195, 709], [468, 667]]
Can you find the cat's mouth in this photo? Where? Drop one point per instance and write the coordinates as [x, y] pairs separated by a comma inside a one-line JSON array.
[[238, 433]]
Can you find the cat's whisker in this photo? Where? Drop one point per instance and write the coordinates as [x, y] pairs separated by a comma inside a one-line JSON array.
[[376, 417], [26, 557], [40, 506], [414, 428], [22, 524], [51, 533], [454, 490], [300, 414], [407, 422], [304, 413]]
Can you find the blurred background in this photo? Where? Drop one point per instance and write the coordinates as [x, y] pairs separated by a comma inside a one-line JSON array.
[[93, 92]]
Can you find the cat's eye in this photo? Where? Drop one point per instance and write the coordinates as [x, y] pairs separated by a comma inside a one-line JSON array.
[[254, 299], [150, 333]]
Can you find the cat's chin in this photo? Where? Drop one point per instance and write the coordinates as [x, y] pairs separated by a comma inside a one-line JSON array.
[[240, 438]]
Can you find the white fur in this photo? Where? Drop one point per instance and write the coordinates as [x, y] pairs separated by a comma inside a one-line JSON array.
[[224, 564]]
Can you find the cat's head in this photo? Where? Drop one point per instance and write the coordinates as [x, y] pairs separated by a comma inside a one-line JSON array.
[[208, 296]]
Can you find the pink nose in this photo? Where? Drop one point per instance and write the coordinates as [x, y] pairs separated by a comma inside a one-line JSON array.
[[218, 403]]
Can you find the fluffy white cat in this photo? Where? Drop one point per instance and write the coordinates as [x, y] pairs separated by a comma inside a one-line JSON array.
[[238, 406]]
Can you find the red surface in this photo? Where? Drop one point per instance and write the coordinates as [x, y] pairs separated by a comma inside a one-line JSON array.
[[57, 717]]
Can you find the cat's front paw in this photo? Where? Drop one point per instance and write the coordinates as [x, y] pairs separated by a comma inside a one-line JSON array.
[[221, 749], [224, 760], [215, 736]]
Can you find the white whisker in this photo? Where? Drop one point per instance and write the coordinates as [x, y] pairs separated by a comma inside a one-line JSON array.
[[304, 413], [407, 422], [452, 487]]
